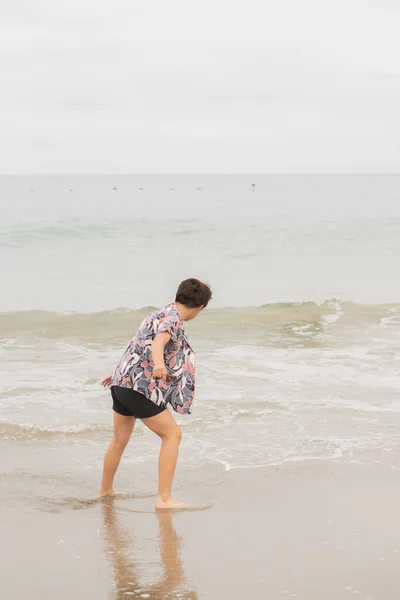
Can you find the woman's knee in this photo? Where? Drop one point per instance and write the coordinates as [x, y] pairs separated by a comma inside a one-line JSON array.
[[121, 439], [173, 434]]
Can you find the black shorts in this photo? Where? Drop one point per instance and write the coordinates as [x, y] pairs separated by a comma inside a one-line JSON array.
[[130, 403]]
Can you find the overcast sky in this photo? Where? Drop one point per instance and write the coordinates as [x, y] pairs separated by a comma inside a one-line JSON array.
[[288, 86]]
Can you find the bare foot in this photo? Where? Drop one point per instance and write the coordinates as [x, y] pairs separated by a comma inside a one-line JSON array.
[[170, 504], [104, 493]]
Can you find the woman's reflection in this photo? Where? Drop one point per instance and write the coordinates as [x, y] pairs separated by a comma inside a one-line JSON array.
[[117, 543]]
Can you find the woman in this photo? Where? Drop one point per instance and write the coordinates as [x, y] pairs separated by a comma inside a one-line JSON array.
[[156, 369]]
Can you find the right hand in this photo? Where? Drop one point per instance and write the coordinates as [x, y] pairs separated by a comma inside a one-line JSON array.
[[106, 381]]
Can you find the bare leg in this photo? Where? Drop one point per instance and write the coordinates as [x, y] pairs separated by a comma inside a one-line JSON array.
[[165, 427], [123, 427]]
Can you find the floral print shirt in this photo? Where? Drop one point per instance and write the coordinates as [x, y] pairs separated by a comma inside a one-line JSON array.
[[136, 367]]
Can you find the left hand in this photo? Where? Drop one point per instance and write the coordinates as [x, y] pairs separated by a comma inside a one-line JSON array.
[[106, 381], [160, 372]]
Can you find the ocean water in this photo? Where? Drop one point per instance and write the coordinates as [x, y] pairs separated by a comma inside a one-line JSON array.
[[298, 353]]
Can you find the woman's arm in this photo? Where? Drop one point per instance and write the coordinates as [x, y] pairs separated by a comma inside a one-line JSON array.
[[157, 354]]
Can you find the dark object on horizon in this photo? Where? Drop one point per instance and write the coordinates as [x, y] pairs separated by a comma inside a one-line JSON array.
[[199, 189], [141, 189], [115, 189], [71, 190], [253, 185], [32, 190], [171, 189]]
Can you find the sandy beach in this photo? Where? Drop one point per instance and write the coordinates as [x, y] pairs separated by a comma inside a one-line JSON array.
[[252, 146], [315, 531]]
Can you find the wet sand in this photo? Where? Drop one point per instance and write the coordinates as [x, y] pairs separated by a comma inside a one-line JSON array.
[[311, 530]]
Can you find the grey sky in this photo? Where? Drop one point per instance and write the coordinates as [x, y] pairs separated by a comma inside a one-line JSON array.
[[212, 86]]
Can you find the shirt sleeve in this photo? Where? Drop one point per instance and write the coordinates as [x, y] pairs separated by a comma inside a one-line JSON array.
[[169, 324]]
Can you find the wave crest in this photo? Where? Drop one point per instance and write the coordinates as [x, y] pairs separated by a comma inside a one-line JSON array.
[[113, 324], [34, 432]]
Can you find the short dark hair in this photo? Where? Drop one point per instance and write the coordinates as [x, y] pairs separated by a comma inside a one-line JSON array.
[[193, 293]]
